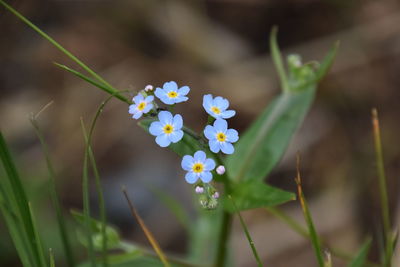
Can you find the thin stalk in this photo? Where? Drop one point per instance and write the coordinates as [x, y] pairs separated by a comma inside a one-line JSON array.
[[56, 44], [382, 189], [86, 202], [147, 232], [53, 191], [246, 231], [316, 243], [298, 228]]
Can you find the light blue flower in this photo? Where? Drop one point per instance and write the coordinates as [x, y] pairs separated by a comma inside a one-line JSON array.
[[198, 167], [170, 94], [220, 137], [141, 105], [217, 106], [167, 129]]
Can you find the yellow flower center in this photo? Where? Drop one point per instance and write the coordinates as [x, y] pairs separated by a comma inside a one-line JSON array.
[[198, 167], [168, 128], [221, 137], [172, 94], [215, 110], [141, 106]]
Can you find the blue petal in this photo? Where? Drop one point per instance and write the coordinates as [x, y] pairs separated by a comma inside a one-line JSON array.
[[184, 90], [165, 117], [177, 122], [137, 115], [207, 102], [214, 146], [170, 86], [180, 99], [187, 162], [220, 125], [227, 148], [221, 102], [209, 164], [209, 132], [176, 136], [160, 93], [191, 177], [149, 98], [206, 177], [162, 140], [228, 114], [132, 108], [156, 128], [147, 108], [138, 98], [166, 100], [232, 135], [200, 156]]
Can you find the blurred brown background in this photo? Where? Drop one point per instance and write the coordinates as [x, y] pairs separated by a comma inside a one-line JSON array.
[[219, 47]]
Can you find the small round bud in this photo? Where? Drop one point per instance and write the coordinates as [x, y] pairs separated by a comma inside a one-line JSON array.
[[220, 169], [215, 195], [148, 88], [212, 204], [199, 190]]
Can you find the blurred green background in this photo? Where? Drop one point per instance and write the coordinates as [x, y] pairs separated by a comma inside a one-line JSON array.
[[213, 46]]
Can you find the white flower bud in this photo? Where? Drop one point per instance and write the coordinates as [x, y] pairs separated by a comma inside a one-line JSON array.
[[199, 190], [220, 170], [148, 88], [216, 195]]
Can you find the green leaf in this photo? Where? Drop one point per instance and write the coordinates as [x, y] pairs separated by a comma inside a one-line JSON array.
[[361, 256], [261, 147], [251, 195], [112, 235], [187, 146], [16, 210]]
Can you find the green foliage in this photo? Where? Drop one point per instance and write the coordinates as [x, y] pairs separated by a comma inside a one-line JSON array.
[[254, 194], [263, 144], [113, 237], [17, 212], [361, 257]]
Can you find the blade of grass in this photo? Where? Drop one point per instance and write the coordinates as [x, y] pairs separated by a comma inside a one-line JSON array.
[[147, 232], [56, 44], [51, 256], [361, 256], [16, 230], [20, 200], [382, 189], [277, 59], [86, 201], [102, 208], [246, 231], [307, 216], [107, 89], [55, 199], [37, 240]]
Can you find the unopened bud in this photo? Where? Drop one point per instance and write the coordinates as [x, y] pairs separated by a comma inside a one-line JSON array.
[[199, 190], [148, 88], [215, 195], [220, 169]]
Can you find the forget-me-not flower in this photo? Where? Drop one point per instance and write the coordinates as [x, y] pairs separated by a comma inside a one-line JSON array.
[[220, 137], [198, 167], [167, 129], [141, 105], [217, 106], [171, 94]]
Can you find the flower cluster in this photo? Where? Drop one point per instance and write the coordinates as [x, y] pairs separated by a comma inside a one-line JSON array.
[[168, 129]]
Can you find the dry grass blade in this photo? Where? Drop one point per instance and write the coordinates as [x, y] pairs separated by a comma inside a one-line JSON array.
[[307, 216], [146, 231]]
